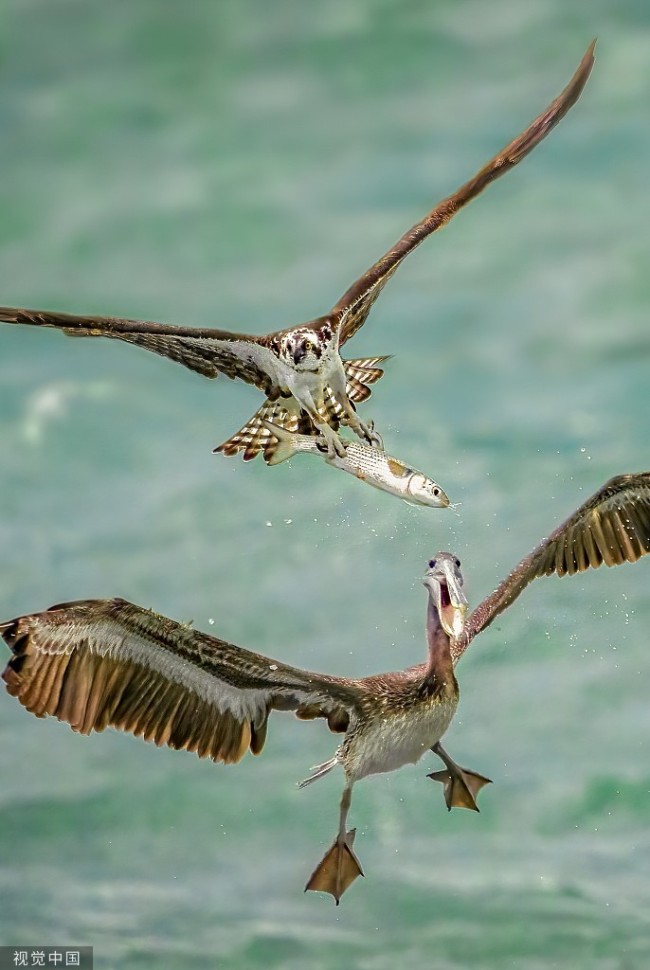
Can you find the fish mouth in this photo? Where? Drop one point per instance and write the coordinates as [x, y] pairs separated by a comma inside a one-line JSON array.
[[440, 498], [433, 499], [425, 492]]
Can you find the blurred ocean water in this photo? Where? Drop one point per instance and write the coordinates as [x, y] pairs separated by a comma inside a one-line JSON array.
[[238, 165]]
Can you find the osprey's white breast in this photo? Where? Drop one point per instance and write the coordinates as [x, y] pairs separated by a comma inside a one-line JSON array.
[[290, 378]]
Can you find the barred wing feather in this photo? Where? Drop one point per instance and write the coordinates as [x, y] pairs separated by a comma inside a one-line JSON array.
[[101, 663], [611, 527], [254, 437], [206, 351]]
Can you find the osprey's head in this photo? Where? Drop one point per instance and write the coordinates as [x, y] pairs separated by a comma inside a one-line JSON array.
[[444, 580], [303, 347]]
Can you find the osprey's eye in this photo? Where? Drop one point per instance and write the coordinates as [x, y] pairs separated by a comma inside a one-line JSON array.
[[457, 561], [432, 564]]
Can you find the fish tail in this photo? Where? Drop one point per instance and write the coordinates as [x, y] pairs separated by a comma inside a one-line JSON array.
[[281, 446]]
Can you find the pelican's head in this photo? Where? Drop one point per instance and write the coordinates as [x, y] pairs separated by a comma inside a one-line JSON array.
[[444, 580], [303, 347]]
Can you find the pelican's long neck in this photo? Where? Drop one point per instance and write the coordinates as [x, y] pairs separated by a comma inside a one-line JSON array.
[[440, 668]]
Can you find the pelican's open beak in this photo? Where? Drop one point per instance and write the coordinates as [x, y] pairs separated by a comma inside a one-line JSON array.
[[443, 583]]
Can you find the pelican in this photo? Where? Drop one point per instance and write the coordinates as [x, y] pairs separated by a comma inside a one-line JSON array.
[[101, 663]]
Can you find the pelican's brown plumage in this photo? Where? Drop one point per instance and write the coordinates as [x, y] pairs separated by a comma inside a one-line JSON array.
[[308, 386], [611, 527], [101, 663], [107, 663]]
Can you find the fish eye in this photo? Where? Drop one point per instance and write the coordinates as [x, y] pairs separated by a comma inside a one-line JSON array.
[[457, 561], [432, 564], [436, 491]]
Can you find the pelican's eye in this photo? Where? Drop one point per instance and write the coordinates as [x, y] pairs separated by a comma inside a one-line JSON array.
[[432, 564]]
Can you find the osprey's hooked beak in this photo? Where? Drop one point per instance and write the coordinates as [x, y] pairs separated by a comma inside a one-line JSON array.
[[444, 581]]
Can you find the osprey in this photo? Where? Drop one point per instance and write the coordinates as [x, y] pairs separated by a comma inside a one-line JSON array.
[[309, 387]]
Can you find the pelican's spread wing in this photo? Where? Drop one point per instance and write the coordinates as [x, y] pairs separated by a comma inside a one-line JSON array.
[[612, 527], [206, 351], [101, 663], [354, 306]]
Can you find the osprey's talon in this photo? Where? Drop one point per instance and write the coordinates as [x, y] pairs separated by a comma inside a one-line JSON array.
[[332, 443], [374, 437], [366, 431]]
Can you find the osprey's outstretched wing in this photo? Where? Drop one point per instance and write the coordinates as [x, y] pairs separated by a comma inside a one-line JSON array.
[[352, 309], [206, 351], [108, 663]]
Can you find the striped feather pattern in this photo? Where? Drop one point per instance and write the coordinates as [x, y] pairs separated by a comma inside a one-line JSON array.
[[254, 437], [611, 527], [364, 370], [92, 692], [107, 663]]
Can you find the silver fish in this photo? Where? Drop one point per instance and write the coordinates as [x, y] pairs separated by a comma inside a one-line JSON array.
[[371, 465]]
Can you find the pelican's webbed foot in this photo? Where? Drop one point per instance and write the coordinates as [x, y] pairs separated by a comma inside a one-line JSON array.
[[461, 786], [337, 870]]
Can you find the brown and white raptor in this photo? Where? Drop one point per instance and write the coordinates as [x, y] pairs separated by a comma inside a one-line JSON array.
[[308, 386]]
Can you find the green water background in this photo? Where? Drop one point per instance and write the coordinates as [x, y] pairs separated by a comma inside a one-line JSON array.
[[237, 164]]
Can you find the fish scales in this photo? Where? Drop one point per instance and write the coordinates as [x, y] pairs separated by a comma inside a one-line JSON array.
[[369, 464]]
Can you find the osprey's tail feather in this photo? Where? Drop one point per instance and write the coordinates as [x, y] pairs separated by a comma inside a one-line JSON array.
[[255, 436], [360, 373]]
